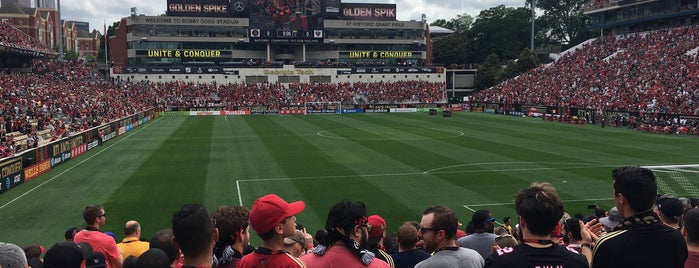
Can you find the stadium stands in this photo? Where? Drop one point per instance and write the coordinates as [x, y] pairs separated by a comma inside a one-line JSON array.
[[59, 99], [13, 37], [651, 73]]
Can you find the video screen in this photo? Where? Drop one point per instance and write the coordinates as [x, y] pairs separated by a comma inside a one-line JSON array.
[[286, 21]]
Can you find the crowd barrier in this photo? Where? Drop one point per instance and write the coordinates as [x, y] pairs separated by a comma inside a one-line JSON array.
[[31, 163], [309, 109], [655, 122]]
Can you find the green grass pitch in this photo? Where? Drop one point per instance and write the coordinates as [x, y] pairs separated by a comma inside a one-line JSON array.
[[398, 164]]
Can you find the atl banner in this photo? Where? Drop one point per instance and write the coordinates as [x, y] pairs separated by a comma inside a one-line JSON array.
[[12, 174]]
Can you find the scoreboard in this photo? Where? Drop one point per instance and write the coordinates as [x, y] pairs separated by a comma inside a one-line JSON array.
[[286, 21]]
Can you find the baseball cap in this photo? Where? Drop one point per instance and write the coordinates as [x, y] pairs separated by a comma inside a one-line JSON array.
[[63, 255], [671, 207], [378, 226], [270, 210], [85, 249], [95, 260], [613, 219], [298, 237], [480, 217]]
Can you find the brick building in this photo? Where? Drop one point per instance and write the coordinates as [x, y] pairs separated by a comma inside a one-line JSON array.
[[40, 24]]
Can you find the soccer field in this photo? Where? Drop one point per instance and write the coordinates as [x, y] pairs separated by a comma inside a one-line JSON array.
[[398, 164]]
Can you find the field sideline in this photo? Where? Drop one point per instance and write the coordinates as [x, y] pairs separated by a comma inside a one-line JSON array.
[[398, 164]]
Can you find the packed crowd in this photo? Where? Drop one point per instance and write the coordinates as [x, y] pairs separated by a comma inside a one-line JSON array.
[[70, 97], [653, 72], [642, 230], [230, 96], [63, 98], [13, 37]]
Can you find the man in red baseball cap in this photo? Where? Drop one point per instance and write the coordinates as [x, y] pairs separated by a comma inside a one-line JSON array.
[[273, 219], [377, 234]]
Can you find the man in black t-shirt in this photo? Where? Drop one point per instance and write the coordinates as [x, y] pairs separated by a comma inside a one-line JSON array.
[[539, 209], [641, 240]]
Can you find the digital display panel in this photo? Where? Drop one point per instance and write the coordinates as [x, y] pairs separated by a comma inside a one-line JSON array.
[[286, 21]]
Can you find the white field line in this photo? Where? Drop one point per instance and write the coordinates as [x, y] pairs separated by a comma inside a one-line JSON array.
[[76, 165], [499, 163], [671, 166], [429, 172]]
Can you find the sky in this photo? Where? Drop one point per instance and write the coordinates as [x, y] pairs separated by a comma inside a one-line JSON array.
[[98, 12]]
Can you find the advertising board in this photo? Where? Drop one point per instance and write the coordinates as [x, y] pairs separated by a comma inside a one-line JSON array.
[[365, 11]]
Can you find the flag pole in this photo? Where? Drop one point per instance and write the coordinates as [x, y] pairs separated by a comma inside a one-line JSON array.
[[106, 61]]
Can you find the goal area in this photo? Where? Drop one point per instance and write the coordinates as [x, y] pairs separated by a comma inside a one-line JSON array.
[[678, 180], [322, 107]]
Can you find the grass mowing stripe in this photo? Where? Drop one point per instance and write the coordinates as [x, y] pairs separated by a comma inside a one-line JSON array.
[[175, 174], [410, 153], [381, 171], [232, 146], [294, 155]]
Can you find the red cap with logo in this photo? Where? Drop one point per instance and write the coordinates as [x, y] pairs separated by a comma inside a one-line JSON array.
[[270, 210], [378, 226]]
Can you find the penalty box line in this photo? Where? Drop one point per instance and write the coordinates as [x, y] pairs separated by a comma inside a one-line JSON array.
[[427, 172]]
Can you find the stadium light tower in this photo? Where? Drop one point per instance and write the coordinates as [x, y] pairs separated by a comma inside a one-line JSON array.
[[59, 29], [531, 41]]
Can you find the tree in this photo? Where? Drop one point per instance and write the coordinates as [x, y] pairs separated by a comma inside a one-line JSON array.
[[462, 23], [563, 21], [526, 60], [488, 72], [449, 49], [440, 22], [71, 55], [511, 70], [501, 30]]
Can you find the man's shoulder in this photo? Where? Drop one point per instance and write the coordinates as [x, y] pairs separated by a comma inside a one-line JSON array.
[[272, 260], [441, 262], [490, 235], [467, 252], [640, 247], [523, 250], [378, 263], [92, 236], [133, 242], [623, 237], [540, 256], [290, 261], [340, 256], [413, 252], [447, 258]]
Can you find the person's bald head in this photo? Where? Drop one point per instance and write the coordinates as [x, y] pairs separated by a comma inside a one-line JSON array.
[[132, 228]]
